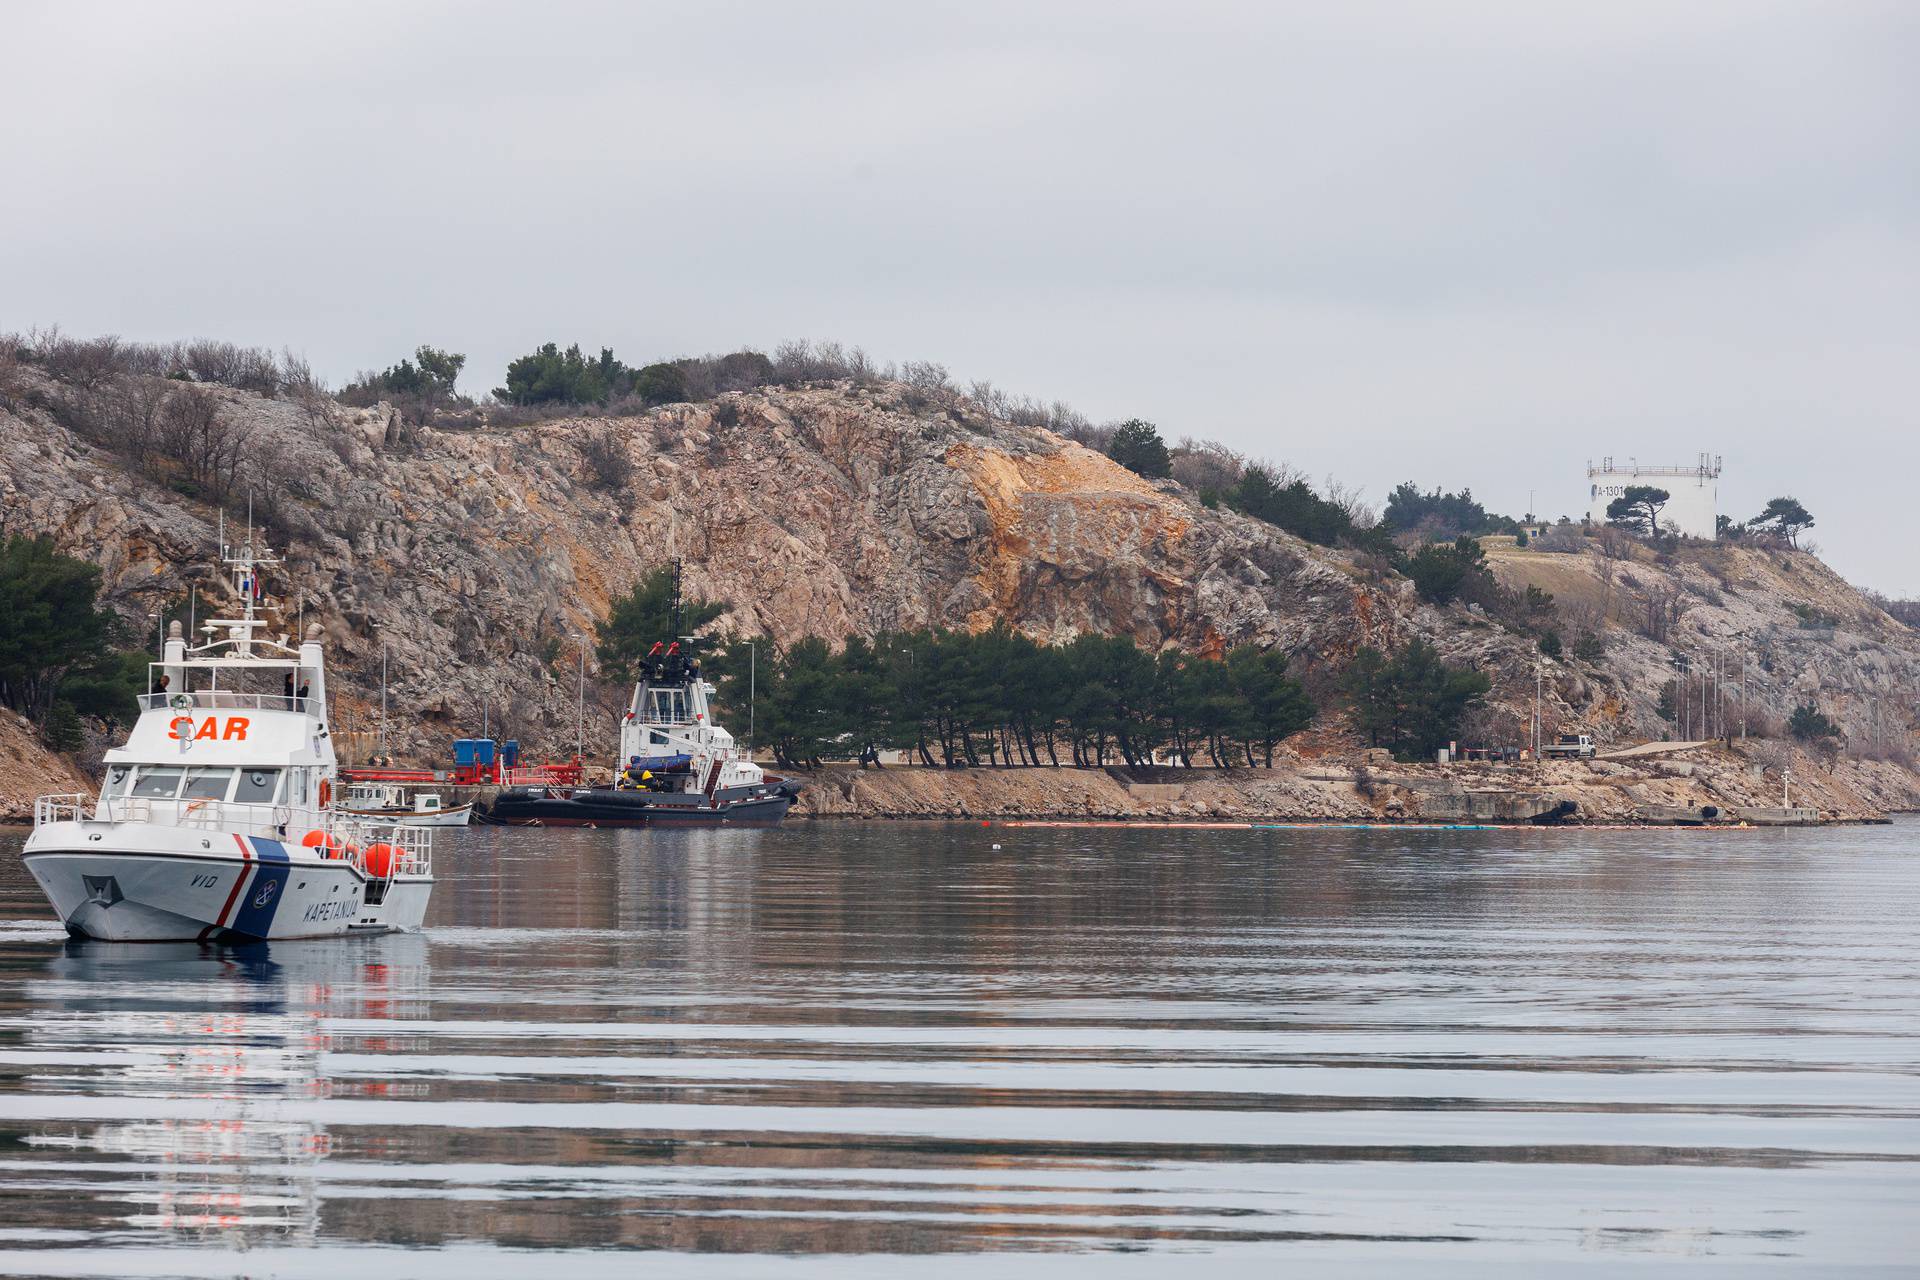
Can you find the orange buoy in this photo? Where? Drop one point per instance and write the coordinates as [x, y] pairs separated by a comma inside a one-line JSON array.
[[324, 841], [382, 859]]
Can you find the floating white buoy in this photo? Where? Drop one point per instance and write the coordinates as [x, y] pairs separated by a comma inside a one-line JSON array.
[[996, 848]]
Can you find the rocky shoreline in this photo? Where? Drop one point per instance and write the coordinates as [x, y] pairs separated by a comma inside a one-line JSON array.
[[1669, 783], [1712, 781]]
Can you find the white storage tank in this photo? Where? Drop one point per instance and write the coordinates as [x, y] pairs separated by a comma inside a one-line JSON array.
[[1693, 507]]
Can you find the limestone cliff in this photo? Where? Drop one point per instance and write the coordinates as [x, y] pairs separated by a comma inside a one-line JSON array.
[[478, 554]]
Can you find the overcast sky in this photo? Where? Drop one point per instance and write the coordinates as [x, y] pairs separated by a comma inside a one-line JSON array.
[[1468, 244]]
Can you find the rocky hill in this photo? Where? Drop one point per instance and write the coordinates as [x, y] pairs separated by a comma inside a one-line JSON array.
[[479, 553]]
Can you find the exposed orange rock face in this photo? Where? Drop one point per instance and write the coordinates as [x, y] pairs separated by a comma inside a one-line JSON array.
[[1060, 521]]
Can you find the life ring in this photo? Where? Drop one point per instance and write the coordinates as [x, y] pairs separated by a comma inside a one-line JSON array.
[[326, 793]]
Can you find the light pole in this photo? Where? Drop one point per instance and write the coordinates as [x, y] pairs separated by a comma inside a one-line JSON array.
[[160, 630], [753, 676], [580, 711], [1538, 680], [1680, 696], [383, 694]]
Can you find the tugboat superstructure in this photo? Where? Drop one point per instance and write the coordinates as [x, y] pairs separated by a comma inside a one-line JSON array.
[[216, 820]]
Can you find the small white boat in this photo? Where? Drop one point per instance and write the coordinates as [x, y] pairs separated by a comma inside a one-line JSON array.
[[216, 820], [391, 802]]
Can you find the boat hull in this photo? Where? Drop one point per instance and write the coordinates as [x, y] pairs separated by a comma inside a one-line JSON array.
[[606, 807], [117, 884], [452, 816]]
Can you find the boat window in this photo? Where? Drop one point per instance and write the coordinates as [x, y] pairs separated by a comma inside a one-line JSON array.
[[429, 802], [257, 785], [206, 784], [118, 777], [157, 784]]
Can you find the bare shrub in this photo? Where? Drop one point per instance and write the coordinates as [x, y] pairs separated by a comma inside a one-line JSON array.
[[862, 370], [1375, 568], [1614, 543], [1096, 437], [994, 402], [80, 413], [1661, 614], [1906, 612], [627, 406], [135, 407], [524, 415], [1349, 498], [85, 363], [1058, 417], [1560, 538], [201, 440], [605, 458], [248, 368], [1205, 466], [801, 361], [926, 375], [13, 383]]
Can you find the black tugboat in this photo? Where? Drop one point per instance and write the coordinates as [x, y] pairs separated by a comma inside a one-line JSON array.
[[676, 766]]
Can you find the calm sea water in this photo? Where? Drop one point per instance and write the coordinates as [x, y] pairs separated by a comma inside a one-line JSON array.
[[1000, 1051]]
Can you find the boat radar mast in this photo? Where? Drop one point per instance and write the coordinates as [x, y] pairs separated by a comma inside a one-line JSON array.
[[244, 562]]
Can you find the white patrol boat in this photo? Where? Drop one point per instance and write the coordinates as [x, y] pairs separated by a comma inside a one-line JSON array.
[[216, 820]]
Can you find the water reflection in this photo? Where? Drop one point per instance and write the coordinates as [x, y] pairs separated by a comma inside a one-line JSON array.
[[1459, 1049]]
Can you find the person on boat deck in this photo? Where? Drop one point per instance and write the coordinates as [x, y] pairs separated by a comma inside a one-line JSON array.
[[302, 695], [165, 680], [289, 684]]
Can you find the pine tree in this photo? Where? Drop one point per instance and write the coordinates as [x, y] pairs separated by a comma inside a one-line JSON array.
[[1137, 446]]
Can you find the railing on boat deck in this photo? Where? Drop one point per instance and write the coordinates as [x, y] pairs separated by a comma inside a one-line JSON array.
[[543, 775], [352, 836], [71, 807], [225, 700]]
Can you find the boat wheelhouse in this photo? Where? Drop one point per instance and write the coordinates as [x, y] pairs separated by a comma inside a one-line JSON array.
[[217, 817]]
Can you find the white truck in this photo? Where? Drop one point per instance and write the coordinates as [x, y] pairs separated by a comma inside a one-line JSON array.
[[1572, 746]]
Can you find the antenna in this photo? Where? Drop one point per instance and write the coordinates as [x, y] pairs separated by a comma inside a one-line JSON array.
[[673, 598]]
